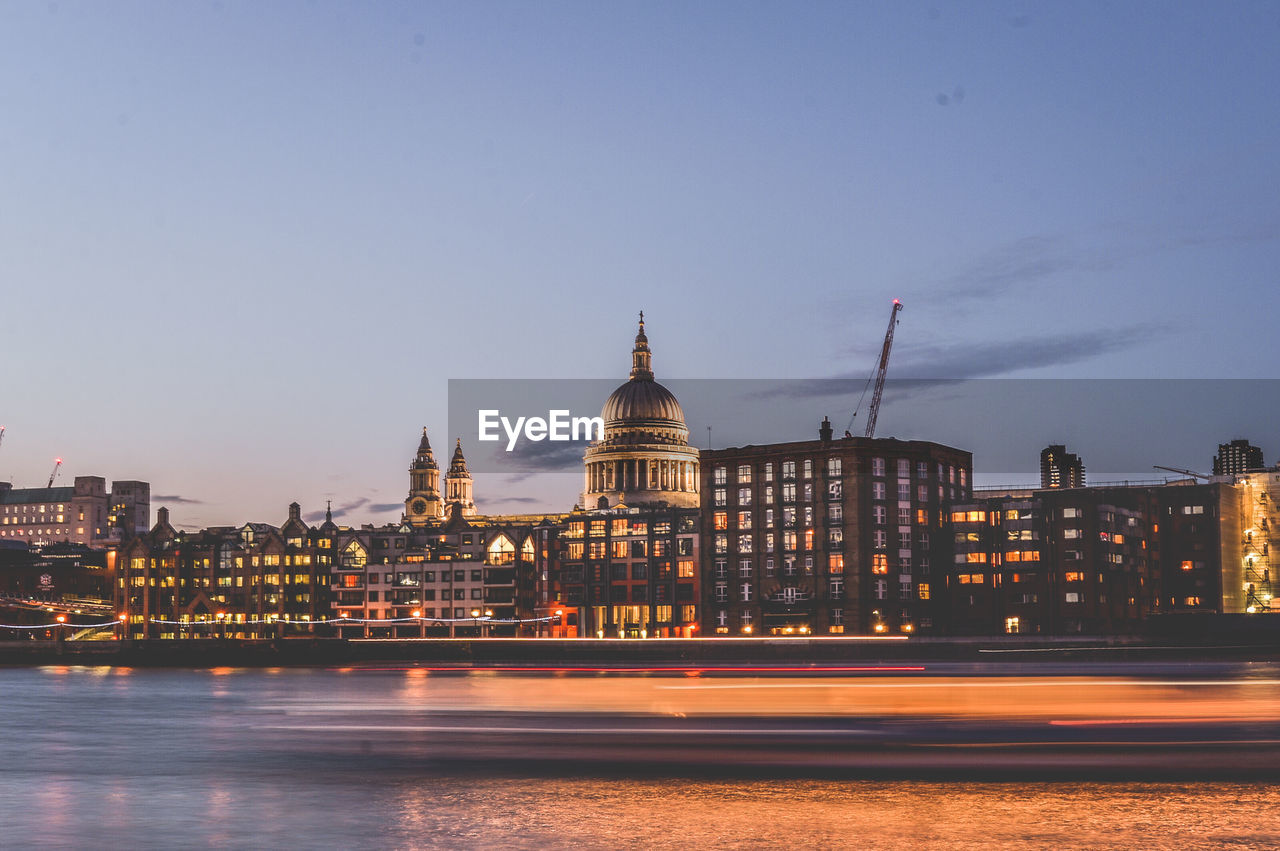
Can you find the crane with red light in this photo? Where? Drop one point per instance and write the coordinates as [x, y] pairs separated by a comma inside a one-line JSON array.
[[878, 375], [57, 465]]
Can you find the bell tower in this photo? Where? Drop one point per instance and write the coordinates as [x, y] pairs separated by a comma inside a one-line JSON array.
[[423, 504], [457, 483]]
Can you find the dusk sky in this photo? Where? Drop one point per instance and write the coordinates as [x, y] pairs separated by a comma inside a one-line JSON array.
[[244, 246]]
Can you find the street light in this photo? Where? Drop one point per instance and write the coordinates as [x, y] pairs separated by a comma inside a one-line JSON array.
[[422, 629], [124, 625], [222, 621]]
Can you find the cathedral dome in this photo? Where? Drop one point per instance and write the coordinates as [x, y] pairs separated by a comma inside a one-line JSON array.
[[644, 455], [642, 401]]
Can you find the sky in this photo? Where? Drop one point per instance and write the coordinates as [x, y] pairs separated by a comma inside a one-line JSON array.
[[245, 246]]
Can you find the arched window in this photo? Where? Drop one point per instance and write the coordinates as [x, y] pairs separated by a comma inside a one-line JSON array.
[[354, 555], [502, 551]]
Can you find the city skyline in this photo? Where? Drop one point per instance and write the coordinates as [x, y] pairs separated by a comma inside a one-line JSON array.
[[248, 247]]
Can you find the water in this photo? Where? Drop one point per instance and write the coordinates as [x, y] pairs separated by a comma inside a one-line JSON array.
[[100, 757]]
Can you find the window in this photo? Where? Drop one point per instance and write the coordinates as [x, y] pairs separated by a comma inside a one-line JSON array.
[[835, 512], [879, 563], [721, 496], [877, 466], [768, 472], [922, 469], [923, 590], [877, 490], [788, 470], [1071, 533], [904, 491], [835, 563], [720, 520], [744, 543], [719, 476], [904, 468], [837, 587], [789, 492], [744, 474], [833, 467], [744, 496], [904, 515], [880, 514], [1070, 513], [744, 568], [880, 539], [1073, 596], [746, 592], [808, 468]]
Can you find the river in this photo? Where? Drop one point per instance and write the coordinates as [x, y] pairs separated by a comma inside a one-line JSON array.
[[378, 758]]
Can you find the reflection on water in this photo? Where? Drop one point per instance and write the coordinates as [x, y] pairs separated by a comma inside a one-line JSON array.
[[239, 758]]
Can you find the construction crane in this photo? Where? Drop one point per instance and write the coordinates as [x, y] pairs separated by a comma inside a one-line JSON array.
[[1, 434], [882, 366], [1190, 473], [57, 465]]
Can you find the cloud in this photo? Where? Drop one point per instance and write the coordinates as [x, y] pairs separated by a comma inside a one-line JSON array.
[[338, 510], [997, 357], [523, 500], [348, 508], [944, 363], [1018, 263], [530, 458], [174, 499]]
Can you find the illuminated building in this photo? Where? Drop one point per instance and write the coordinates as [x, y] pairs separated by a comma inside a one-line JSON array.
[[54, 573], [84, 513], [827, 536], [1060, 468], [622, 572], [1238, 456], [1250, 582], [251, 581], [423, 505], [624, 564], [468, 576], [644, 456], [1097, 560]]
